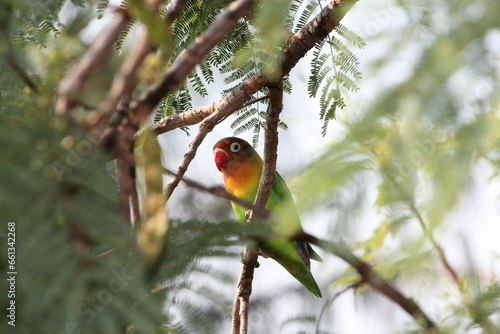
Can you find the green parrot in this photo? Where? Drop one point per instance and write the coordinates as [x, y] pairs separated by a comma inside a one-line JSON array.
[[241, 167]]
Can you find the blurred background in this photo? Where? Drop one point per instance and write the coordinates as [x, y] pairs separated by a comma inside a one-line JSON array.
[[403, 168]]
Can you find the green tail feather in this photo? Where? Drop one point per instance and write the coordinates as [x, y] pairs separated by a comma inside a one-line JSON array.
[[285, 253]]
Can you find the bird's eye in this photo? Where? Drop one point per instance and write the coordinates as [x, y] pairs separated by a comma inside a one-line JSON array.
[[235, 147]]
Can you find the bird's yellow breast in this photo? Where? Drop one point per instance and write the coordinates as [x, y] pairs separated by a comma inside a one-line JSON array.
[[242, 179]]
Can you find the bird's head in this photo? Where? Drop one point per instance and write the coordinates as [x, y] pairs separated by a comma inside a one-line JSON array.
[[230, 153]]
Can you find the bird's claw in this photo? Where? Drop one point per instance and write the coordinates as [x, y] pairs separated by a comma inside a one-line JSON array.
[[264, 255]]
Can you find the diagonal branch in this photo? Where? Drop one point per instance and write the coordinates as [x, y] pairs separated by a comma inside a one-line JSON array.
[[125, 81], [221, 192], [12, 61], [297, 46], [373, 278], [186, 118], [438, 248], [332, 299], [427, 233], [226, 106], [71, 87], [250, 253], [179, 71], [317, 29]]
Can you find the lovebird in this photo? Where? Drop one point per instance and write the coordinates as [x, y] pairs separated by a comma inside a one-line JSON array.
[[241, 167]]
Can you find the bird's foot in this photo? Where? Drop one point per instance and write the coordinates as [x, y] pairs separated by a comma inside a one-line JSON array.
[[264, 255]]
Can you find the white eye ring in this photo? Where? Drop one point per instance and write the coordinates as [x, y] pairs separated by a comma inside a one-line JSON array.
[[235, 147]]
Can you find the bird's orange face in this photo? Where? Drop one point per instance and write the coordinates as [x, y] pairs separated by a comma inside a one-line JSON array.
[[240, 165], [231, 152]]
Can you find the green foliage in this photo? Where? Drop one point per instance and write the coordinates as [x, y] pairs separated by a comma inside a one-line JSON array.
[[182, 269], [63, 203], [102, 5], [252, 119], [252, 47], [89, 274], [304, 14], [125, 33], [410, 158], [422, 144], [333, 70]]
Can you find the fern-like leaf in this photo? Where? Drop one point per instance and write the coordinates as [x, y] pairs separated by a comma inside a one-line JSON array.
[[124, 34], [350, 36], [334, 69], [101, 7]]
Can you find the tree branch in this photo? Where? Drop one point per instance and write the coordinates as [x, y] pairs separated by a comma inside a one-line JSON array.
[[296, 48], [323, 22], [128, 203], [373, 278], [175, 10], [12, 61], [367, 273], [186, 118], [125, 81], [330, 302], [226, 106], [250, 253], [71, 87], [438, 248], [179, 71], [220, 192], [317, 29]]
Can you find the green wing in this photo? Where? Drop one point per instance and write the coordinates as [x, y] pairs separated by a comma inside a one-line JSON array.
[[294, 256]]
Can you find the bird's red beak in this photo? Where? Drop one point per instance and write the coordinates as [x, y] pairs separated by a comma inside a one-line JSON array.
[[220, 158]]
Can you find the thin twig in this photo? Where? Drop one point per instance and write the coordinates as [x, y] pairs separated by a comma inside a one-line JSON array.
[[205, 127], [11, 60], [486, 323], [434, 243], [330, 302], [250, 254], [125, 80], [264, 97], [128, 204], [186, 118], [104, 253], [373, 278], [220, 192], [428, 234], [226, 106]]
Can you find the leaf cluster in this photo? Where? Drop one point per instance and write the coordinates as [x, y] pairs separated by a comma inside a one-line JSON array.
[[423, 143], [77, 266]]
